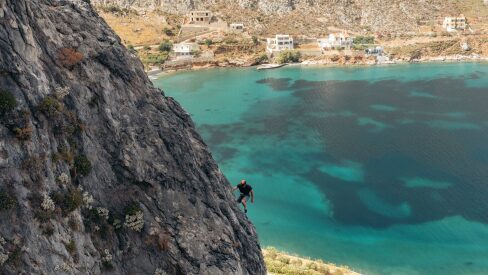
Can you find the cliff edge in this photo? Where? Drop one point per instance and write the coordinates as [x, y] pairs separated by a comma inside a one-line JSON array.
[[99, 171]]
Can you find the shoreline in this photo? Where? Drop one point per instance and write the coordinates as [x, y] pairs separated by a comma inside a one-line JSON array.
[[279, 262], [156, 73]]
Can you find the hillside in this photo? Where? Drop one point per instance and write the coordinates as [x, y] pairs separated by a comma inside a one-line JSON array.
[[100, 172], [309, 16]]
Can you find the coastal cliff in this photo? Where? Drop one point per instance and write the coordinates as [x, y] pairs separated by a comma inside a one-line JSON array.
[[99, 171]]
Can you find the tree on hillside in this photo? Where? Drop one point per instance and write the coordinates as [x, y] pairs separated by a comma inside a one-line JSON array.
[[168, 32], [165, 46], [363, 40], [288, 56]]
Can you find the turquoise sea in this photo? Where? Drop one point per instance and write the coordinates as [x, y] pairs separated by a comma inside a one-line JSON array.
[[383, 169]]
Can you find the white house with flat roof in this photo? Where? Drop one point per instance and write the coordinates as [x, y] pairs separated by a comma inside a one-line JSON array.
[[236, 27], [454, 23], [279, 43], [184, 50], [335, 40], [200, 17]]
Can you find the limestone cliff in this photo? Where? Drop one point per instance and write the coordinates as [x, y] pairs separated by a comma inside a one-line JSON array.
[[99, 171]]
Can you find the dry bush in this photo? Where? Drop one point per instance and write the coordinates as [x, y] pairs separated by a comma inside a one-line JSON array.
[[24, 133], [335, 58], [159, 239], [69, 57]]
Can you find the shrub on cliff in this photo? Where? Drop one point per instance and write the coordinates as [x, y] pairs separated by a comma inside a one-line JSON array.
[[7, 102], [69, 57], [70, 247], [50, 106], [82, 165], [68, 200], [7, 202], [288, 56], [23, 133], [134, 217]]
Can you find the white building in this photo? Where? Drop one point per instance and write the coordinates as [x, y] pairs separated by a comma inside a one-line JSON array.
[[199, 17], [184, 50], [454, 23], [334, 41], [279, 43], [237, 27], [376, 51]]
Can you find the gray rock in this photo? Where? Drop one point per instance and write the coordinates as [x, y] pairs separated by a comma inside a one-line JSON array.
[[141, 145]]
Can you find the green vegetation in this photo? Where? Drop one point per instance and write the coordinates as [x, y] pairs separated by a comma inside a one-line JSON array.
[[208, 42], [15, 257], [132, 208], [41, 215], [96, 223], [68, 201], [107, 265], [363, 40], [70, 247], [165, 46], [255, 40], [196, 53], [360, 47], [48, 230], [168, 32], [155, 59], [146, 48], [82, 165], [230, 41], [116, 10], [7, 202], [7, 102], [64, 153], [130, 47], [261, 59], [50, 106], [288, 56]]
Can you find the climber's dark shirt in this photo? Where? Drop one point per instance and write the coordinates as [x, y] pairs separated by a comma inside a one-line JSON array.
[[245, 189]]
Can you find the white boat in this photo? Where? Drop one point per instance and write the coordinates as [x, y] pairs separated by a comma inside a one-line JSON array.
[[269, 66]]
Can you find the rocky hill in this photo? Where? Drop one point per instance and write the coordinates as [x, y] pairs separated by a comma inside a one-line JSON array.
[[99, 171], [300, 15]]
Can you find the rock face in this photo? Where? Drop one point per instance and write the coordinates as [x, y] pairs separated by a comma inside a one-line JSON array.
[[99, 171]]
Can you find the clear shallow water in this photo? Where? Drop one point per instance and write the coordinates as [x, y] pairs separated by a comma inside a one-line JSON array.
[[384, 169]]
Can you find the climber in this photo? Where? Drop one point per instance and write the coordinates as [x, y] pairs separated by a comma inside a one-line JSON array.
[[246, 192]]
